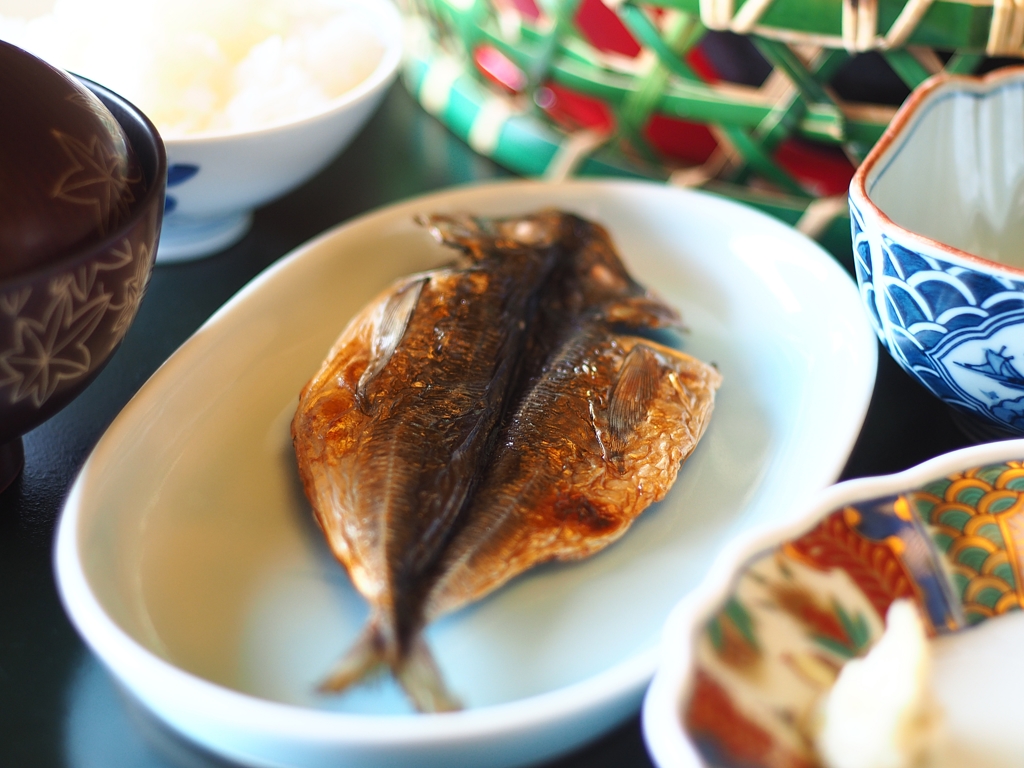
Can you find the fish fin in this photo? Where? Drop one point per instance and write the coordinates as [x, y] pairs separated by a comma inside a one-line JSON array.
[[416, 672], [462, 232], [390, 328], [363, 659], [478, 237], [635, 387], [644, 311], [421, 679]]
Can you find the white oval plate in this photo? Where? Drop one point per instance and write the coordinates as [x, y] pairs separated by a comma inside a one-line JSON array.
[[187, 558]]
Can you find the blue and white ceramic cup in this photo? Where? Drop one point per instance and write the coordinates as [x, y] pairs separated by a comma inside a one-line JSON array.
[[937, 210]]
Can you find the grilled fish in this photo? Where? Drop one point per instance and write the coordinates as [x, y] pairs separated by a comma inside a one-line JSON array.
[[479, 419]]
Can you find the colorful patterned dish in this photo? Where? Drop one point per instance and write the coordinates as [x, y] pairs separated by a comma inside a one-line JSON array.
[[748, 657], [937, 230]]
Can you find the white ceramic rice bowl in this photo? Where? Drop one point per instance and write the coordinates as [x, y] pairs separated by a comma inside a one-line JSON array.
[[216, 180]]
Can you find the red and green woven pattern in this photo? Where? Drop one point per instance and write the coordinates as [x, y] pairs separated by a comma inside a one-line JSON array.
[[638, 89]]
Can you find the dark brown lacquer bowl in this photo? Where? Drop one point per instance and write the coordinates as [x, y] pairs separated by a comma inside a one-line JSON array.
[[82, 177]]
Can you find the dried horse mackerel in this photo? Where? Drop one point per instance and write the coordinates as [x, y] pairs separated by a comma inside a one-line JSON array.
[[476, 420]]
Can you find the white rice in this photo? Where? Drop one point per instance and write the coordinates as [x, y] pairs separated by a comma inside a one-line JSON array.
[[205, 66]]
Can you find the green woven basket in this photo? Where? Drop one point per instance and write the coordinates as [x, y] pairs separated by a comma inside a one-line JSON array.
[[558, 47]]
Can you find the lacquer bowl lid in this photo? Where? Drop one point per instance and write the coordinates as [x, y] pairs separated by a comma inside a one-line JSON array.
[[68, 176]]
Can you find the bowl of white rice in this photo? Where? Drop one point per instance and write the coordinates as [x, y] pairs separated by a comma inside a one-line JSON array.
[[251, 97]]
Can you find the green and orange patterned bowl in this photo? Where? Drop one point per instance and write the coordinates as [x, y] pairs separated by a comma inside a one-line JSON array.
[[749, 655]]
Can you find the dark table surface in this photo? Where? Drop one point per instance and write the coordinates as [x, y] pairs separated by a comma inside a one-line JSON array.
[[58, 707]]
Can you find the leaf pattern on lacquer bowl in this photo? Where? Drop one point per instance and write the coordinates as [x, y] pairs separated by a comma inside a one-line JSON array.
[[12, 303], [60, 343], [96, 178], [52, 349], [132, 289], [86, 100]]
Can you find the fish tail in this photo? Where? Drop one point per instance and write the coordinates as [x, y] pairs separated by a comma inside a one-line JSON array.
[[419, 676], [416, 671], [365, 657]]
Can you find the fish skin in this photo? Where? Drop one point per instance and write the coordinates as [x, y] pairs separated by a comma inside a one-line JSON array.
[[458, 392], [581, 461], [382, 498]]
